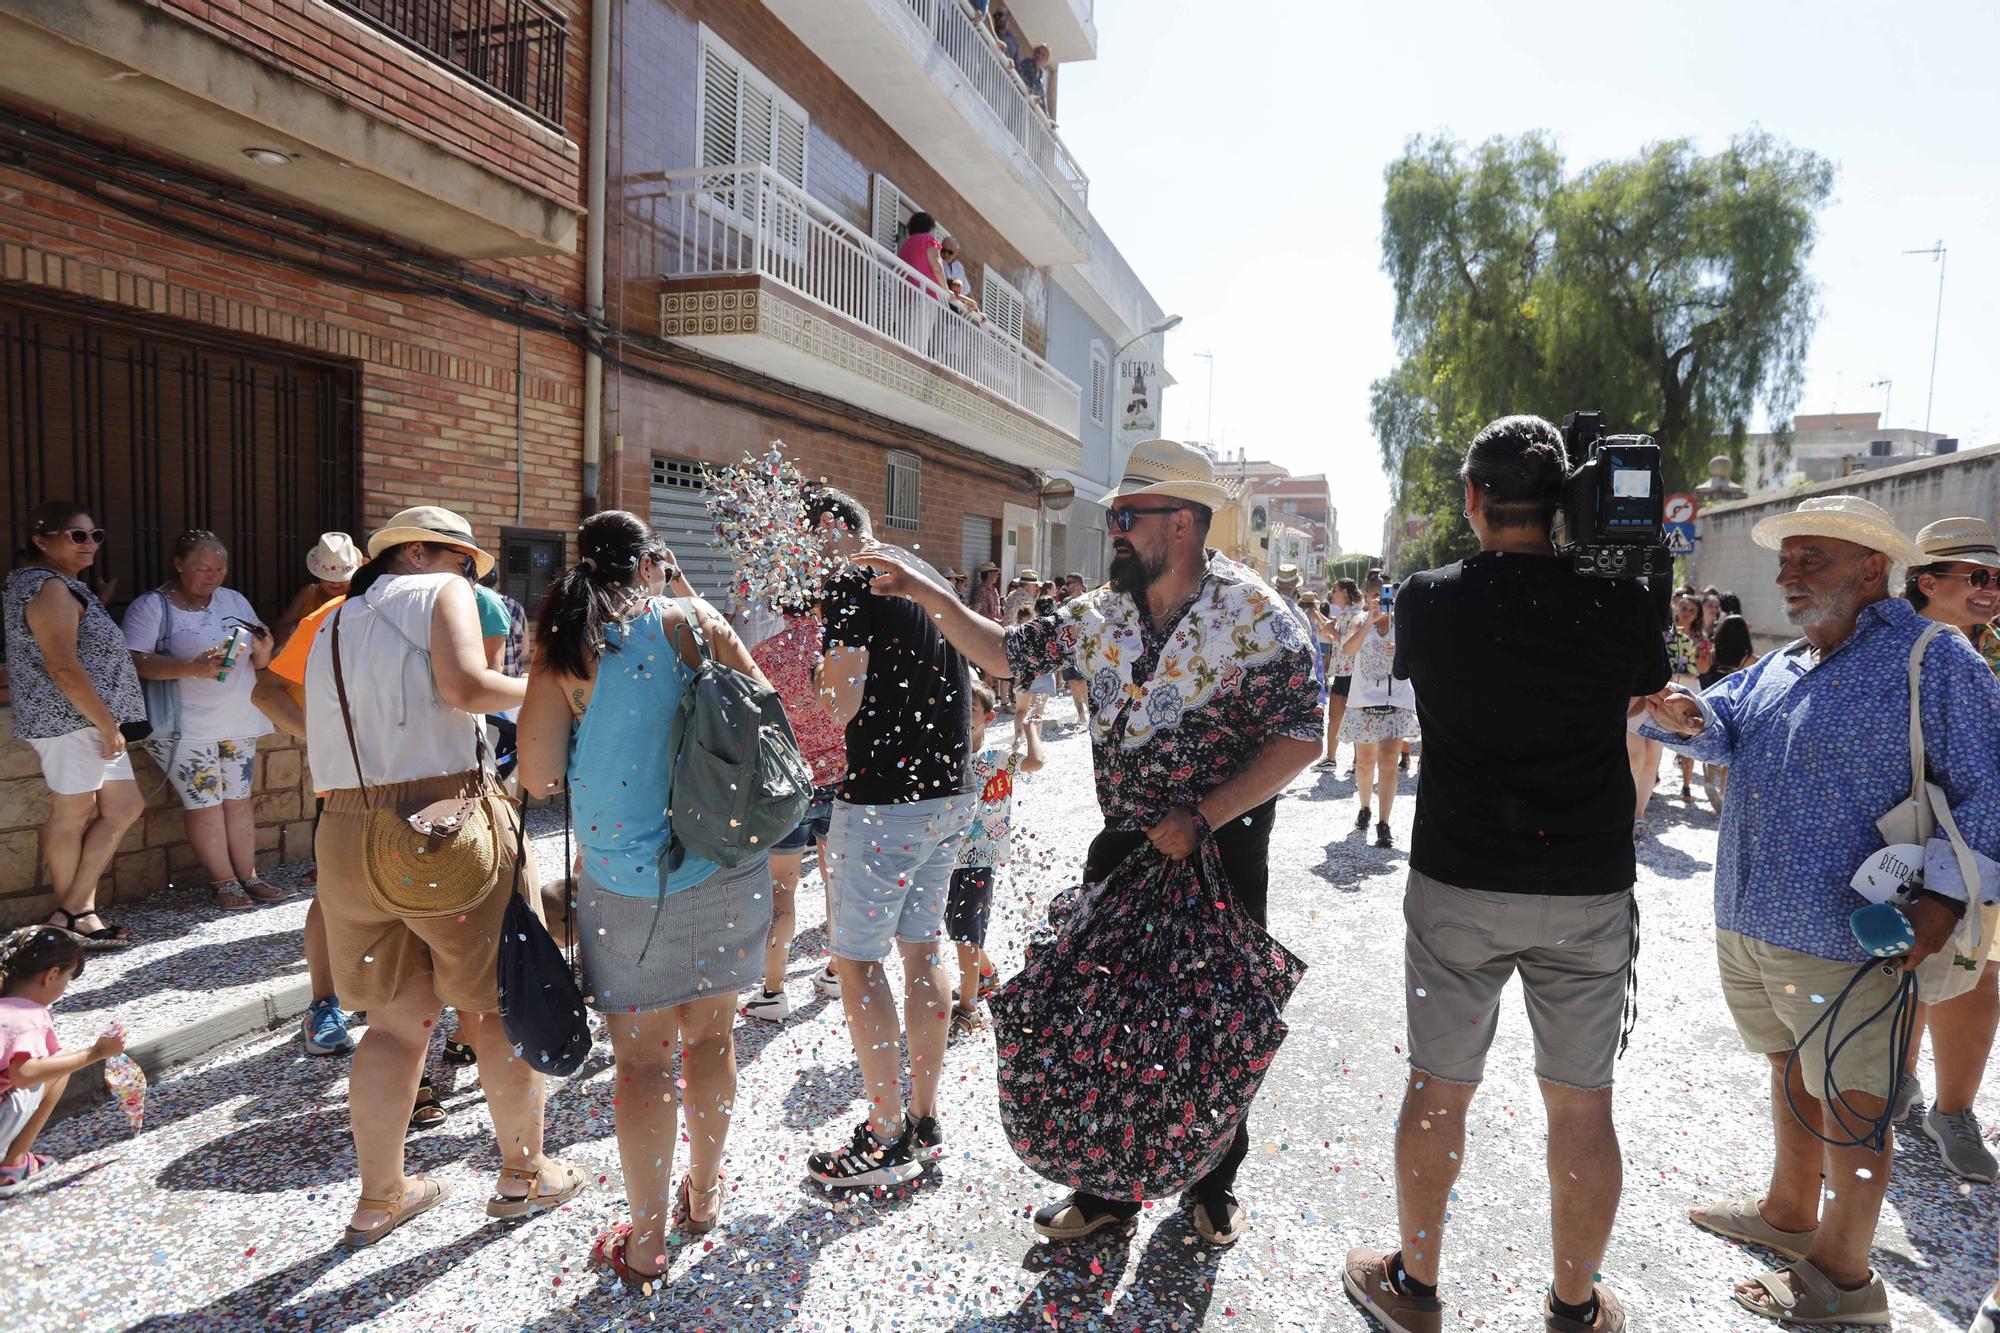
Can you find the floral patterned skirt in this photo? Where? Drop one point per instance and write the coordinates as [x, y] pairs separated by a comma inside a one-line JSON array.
[[207, 773], [1369, 726]]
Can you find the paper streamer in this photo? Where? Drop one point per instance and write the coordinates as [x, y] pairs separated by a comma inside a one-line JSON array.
[[128, 1084]]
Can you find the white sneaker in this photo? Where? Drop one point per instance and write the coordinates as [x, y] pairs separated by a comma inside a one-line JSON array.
[[772, 1008], [827, 982]]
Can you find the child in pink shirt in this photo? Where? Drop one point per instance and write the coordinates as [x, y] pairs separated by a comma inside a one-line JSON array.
[[36, 966]]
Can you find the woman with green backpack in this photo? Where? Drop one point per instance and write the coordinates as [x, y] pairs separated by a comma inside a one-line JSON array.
[[667, 938]]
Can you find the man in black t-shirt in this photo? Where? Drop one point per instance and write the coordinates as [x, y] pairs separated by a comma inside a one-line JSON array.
[[904, 695], [1522, 861]]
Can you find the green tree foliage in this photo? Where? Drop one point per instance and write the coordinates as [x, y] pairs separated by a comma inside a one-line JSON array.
[[1350, 567], [1668, 290]]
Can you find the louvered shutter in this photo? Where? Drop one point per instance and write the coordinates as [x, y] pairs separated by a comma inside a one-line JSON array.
[[721, 86], [1100, 383], [886, 218], [788, 152], [1003, 303]]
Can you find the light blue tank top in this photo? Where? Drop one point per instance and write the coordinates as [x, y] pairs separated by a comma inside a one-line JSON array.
[[620, 766]]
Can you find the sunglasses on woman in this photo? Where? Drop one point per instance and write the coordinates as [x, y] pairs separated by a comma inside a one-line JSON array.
[[1121, 520], [83, 536], [1974, 578]]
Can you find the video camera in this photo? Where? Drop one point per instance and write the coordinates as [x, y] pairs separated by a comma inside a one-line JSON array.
[[1614, 503]]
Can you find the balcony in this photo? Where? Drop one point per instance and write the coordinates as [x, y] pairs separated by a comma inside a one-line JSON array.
[[512, 48], [754, 271], [487, 174], [1067, 27], [941, 84]]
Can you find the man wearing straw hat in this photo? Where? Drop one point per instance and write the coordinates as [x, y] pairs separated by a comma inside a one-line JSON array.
[[1817, 739], [1203, 707]]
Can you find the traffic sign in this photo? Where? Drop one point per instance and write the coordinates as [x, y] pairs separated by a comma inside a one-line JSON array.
[[1681, 508], [1680, 538]]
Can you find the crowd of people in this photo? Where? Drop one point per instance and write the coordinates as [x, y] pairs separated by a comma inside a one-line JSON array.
[[1205, 690]]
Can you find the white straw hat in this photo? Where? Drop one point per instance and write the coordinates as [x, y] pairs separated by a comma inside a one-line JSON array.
[[428, 523], [335, 558], [1958, 539], [1846, 517], [1170, 469]]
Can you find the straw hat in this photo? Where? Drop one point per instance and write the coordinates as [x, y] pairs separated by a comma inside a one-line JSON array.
[[428, 523], [335, 558], [1847, 517], [1170, 469], [1029, 576], [1958, 539], [989, 568], [952, 574], [1288, 579]]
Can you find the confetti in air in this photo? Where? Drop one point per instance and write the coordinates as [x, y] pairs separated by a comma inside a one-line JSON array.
[[759, 508]]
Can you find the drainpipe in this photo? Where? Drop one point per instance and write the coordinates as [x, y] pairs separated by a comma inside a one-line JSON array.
[[593, 252]]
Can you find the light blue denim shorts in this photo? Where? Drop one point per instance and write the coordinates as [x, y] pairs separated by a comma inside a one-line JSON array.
[[892, 869]]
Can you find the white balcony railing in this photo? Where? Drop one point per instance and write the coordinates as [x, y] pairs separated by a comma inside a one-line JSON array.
[[971, 48], [747, 219]]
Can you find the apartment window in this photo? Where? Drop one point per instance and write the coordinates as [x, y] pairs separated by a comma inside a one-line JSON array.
[[742, 117], [530, 559], [1878, 448], [905, 486], [1100, 383], [1005, 307]]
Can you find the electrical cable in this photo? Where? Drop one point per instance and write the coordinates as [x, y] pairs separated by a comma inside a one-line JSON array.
[[1901, 1006]]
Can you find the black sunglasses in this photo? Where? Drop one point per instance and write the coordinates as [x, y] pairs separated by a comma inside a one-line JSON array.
[[1121, 520], [256, 629]]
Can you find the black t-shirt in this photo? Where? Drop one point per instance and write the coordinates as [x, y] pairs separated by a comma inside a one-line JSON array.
[[1523, 670], [909, 740]]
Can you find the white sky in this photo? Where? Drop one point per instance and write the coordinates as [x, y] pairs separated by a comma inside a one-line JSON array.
[[1236, 148]]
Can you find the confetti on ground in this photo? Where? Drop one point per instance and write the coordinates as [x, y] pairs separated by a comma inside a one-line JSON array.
[[225, 1214]]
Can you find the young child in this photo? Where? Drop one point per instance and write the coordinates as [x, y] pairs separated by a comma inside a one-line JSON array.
[[970, 904], [36, 966]]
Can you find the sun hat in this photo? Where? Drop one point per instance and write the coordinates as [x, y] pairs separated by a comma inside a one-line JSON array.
[[335, 558], [951, 573], [1028, 576], [989, 568], [1847, 517], [428, 523], [1288, 577], [1958, 539], [1170, 469]]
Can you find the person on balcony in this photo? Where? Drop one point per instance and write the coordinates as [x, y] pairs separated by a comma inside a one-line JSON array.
[[920, 249], [1004, 33], [954, 267], [1031, 70], [963, 303]]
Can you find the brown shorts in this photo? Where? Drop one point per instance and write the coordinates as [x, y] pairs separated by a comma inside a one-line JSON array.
[[376, 953], [1776, 995]]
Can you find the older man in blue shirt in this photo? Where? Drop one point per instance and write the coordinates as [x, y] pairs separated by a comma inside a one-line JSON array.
[[1816, 736]]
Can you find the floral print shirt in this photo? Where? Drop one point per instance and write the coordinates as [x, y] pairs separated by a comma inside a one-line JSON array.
[[788, 660], [1178, 709], [1818, 750]]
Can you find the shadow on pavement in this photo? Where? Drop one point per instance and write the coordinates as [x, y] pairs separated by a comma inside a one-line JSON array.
[[218, 966], [1173, 1283]]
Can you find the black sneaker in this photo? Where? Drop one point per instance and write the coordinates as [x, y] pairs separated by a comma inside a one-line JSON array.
[[865, 1163], [1403, 764], [1382, 838], [926, 1139], [1361, 820]]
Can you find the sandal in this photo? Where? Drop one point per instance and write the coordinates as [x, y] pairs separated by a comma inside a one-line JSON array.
[[510, 1206], [108, 936], [229, 895], [1743, 1219], [14, 1179], [684, 1219], [608, 1251], [262, 891], [1610, 1315], [1801, 1294], [428, 1113], [458, 1054], [431, 1194]]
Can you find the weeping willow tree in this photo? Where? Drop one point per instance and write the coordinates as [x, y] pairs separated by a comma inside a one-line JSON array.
[[1669, 290]]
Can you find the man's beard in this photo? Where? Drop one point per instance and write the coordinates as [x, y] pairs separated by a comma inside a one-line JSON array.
[[1839, 602], [1131, 573]]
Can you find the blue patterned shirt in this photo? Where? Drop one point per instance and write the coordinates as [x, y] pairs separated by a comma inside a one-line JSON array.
[[1817, 752]]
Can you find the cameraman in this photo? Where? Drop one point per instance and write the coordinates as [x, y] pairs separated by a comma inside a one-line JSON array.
[[1522, 667]]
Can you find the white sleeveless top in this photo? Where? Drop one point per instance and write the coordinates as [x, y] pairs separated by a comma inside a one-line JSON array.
[[403, 730], [1372, 684]]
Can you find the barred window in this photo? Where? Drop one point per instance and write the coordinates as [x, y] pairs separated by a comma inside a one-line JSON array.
[[905, 485]]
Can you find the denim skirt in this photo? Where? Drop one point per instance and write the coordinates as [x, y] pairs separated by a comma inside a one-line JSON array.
[[708, 941]]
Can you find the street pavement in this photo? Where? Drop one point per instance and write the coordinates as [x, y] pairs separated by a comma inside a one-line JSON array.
[[226, 1211]]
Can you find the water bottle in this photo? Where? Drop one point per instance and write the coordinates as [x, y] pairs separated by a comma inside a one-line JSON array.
[[232, 648]]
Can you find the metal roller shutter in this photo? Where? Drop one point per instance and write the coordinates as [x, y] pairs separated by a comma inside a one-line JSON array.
[[682, 520], [975, 545]]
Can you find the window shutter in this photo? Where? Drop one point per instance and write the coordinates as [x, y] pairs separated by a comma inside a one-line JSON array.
[[720, 98], [886, 219], [1100, 382], [788, 153], [1003, 303]]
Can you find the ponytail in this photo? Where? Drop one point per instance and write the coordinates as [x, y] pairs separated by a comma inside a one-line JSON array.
[[33, 950], [584, 600]]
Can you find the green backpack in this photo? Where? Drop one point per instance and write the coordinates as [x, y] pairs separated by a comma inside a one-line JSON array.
[[740, 783]]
